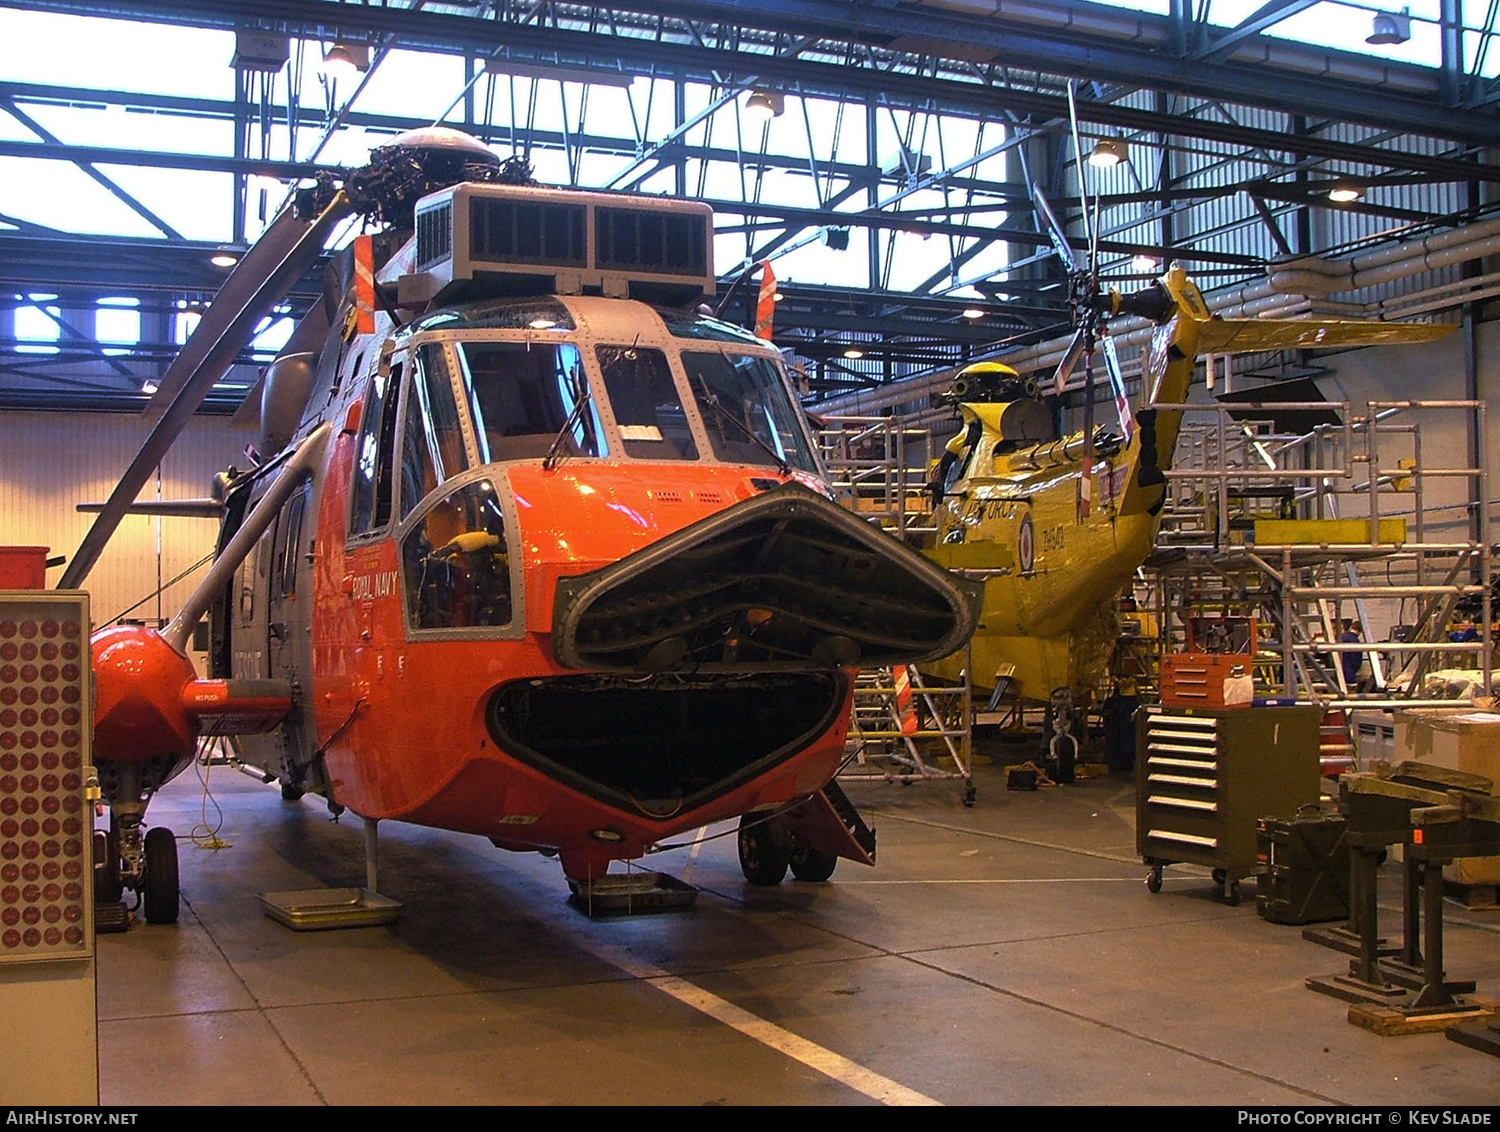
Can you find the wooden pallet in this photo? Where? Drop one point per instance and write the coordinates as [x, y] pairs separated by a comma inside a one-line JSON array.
[[1472, 895], [1389, 1021]]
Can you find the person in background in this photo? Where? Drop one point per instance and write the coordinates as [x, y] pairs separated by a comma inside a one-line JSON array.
[[1350, 661]]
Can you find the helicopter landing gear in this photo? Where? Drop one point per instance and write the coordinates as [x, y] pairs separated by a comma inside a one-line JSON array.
[[159, 884], [144, 861], [291, 793], [1062, 744], [766, 847], [811, 864], [107, 886]]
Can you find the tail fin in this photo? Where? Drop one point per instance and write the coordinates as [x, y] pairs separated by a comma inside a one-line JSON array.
[[1188, 329]]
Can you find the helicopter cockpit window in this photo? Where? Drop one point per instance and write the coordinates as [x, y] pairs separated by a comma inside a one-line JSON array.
[[432, 447], [746, 408], [646, 404], [521, 394], [374, 452], [958, 458], [457, 563]]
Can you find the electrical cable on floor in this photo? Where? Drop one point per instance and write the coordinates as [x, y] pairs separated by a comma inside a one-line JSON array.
[[776, 813], [204, 835]]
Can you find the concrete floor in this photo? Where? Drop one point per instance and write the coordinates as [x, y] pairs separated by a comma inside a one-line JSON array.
[[1004, 954]]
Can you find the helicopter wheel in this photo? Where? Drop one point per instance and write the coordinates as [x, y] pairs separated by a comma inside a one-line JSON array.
[[765, 849], [290, 793], [107, 887], [160, 882], [1153, 880], [1064, 752], [811, 864]]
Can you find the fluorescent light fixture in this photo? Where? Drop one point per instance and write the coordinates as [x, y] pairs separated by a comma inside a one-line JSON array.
[[558, 72], [224, 257], [1343, 193], [854, 352], [1107, 153]]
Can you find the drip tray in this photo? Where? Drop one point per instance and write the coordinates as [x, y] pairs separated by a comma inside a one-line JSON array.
[[631, 894], [322, 909]]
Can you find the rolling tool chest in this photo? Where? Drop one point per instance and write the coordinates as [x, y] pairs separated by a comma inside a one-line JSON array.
[[1204, 776]]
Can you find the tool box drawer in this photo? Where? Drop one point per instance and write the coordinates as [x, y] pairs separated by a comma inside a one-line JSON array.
[[1204, 776]]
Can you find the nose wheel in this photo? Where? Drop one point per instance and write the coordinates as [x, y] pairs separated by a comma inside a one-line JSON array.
[[811, 864], [766, 847], [159, 885], [123, 859]]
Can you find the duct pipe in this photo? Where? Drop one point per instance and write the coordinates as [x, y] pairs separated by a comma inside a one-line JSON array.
[[1280, 295]]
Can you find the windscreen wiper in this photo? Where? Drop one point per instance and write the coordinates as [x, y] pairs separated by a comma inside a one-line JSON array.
[[582, 398], [712, 402]]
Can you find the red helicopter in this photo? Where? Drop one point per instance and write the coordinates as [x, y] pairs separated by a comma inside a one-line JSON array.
[[534, 547]]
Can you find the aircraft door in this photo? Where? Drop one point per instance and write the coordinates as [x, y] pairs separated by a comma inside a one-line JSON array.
[[288, 631], [248, 616], [289, 638]]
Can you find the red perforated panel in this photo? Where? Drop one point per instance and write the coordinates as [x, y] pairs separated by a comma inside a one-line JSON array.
[[45, 824]]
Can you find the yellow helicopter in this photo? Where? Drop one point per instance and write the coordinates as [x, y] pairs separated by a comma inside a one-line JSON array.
[[1056, 527]]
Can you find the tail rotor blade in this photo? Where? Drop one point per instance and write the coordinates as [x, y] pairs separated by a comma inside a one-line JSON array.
[[254, 296]]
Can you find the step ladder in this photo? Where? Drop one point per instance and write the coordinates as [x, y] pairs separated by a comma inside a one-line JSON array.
[[900, 721]]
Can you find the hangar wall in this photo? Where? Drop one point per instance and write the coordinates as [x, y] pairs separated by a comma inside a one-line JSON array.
[[51, 461]]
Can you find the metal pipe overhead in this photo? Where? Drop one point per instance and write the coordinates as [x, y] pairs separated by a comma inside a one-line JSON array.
[[1284, 293]]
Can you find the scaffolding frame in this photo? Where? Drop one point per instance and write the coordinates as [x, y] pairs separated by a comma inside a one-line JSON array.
[[870, 460], [1208, 559]]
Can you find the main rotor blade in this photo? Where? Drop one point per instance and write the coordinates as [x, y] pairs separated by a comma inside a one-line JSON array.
[[1069, 359], [237, 289], [1054, 229], [1083, 188], [227, 338], [308, 337]]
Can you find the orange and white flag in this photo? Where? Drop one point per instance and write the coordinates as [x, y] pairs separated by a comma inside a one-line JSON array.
[[765, 305], [364, 285], [904, 707]]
